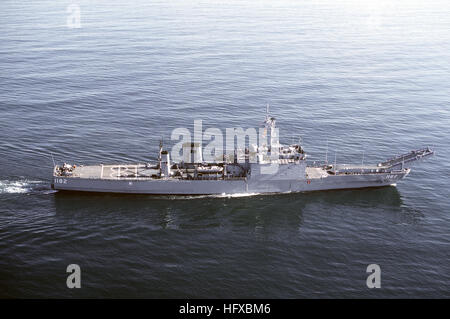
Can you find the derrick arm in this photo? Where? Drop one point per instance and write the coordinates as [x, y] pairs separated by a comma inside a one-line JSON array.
[[399, 161]]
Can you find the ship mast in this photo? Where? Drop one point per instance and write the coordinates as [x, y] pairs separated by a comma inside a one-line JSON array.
[[160, 151], [269, 126]]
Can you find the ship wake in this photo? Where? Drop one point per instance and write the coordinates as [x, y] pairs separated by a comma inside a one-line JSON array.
[[22, 186]]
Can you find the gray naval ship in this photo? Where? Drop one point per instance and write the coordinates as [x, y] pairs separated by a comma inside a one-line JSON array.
[[262, 169]]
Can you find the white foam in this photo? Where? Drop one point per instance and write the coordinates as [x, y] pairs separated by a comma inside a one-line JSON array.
[[223, 195], [237, 195], [17, 187], [184, 197]]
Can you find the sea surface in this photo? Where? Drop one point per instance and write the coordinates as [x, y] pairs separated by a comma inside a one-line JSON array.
[[367, 78]]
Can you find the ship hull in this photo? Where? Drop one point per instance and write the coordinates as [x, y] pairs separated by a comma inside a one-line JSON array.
[[217, 187]]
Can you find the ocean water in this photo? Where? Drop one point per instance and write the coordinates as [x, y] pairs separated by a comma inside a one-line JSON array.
[[366, 77]]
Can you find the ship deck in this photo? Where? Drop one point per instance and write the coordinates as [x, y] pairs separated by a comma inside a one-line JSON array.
[[144, 171], [133, 172], [315, 172], [136, 171]]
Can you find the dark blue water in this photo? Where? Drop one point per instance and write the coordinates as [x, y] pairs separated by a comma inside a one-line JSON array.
[[368, 77]]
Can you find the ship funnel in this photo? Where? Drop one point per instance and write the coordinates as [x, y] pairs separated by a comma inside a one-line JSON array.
[[192, 153]]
